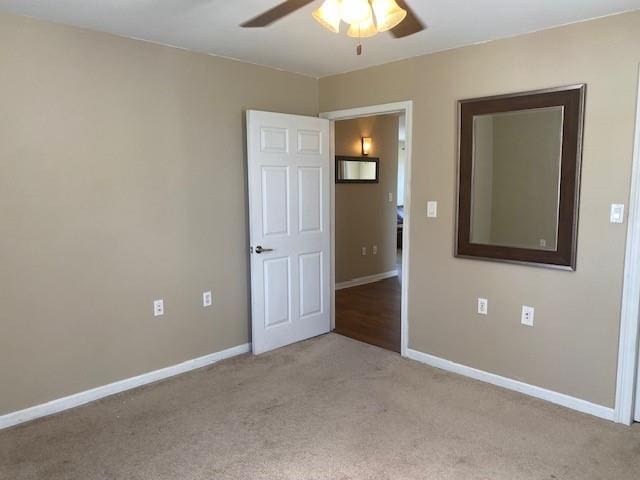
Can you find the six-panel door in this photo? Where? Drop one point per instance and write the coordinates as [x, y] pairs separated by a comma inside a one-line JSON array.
[[289, 169]]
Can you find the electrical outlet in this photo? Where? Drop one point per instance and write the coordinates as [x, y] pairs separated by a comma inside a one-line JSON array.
[[527, 316], [207, 299], [543, 243], [374, 250], [483, 306], [158, 308], [391, 196], [364, 251]]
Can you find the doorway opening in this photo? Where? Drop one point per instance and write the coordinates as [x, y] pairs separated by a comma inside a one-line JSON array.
[[370, 223]]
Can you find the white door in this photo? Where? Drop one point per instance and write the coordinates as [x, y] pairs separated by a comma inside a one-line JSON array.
[[289, 210], [637, 407]]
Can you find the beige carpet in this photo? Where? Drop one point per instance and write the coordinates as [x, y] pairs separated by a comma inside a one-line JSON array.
[[328, 408]]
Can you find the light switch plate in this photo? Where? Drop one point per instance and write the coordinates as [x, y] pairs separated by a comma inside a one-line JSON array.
[[617, 213], [363, 251], [432, 209], [158, 308], [391, 196], [527, 315], [374, 250], [207, 299], [483, 306]]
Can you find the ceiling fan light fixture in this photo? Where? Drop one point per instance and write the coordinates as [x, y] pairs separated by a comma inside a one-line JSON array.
[[355, 11], [364, 29], [329, 15], [388, 14]]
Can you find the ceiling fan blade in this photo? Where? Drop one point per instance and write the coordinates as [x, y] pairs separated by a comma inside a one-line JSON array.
[[276, 13], [410, 25]]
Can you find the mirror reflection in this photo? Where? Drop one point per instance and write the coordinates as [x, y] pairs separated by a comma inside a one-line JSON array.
[[516, 178], [356, 170]]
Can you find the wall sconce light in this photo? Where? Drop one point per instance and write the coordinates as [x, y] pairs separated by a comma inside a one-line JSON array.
[[366, 145]]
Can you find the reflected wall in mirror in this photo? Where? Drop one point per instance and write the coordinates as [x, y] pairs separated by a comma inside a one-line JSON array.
[[516, 178], [357, 169], [519, 177]]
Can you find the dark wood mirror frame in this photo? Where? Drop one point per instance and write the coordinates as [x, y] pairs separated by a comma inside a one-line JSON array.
[[341, 158], [572, 98]]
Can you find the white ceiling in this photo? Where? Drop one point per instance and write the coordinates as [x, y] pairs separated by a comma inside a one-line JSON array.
[[297, 43]]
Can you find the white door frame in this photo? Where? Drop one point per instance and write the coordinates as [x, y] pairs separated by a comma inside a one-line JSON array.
[[626, 382], [405, 108]]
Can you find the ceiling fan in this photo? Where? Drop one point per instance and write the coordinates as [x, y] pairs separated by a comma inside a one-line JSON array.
[[366, 18]]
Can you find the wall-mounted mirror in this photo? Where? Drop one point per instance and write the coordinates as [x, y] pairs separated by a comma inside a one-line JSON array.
[[357, 169], [519, 171]]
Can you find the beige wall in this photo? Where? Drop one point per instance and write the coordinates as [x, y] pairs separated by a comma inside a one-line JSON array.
[[122, 180], [364, 214], [573, 347]]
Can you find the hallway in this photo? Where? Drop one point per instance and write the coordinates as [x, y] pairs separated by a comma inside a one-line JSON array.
[[371, 313]]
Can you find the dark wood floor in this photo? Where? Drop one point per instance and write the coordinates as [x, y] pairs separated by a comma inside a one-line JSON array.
[[371, 313]]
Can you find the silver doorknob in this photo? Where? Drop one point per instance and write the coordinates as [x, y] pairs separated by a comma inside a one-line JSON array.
[[259, 249]]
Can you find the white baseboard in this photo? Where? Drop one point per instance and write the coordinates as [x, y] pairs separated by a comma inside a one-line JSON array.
[[368, 279], [75, 400], [573, 403]]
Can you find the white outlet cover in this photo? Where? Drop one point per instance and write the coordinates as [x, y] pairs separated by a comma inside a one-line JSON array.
[[528, 314], [364, 251], [483, 306], [158, 308], [207, 299], [374, 249], [391, 196], [432, 209]]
